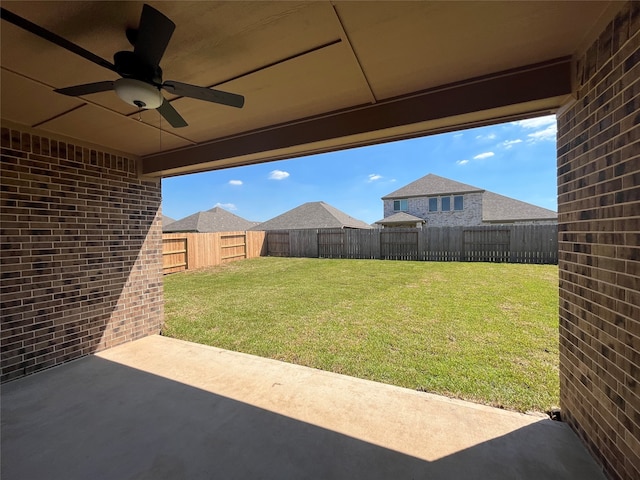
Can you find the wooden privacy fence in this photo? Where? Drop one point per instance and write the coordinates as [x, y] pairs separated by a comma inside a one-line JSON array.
[[499, 243], [186, 251]]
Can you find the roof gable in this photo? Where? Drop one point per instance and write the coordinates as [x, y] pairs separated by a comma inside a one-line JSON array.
[[431, 185], [312, 215], [215, 220]]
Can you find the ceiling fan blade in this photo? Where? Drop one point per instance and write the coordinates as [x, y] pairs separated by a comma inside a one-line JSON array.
[[53, 38], [201, 93], [85, 89], [171, 115], [154, 33]]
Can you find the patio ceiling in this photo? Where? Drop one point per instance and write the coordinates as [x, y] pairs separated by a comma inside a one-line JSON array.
[[316, 76]]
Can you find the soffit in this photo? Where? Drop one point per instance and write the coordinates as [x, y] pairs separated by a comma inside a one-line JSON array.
[[292, 61]]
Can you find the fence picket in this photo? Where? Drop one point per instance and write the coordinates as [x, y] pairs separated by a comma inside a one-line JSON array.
[[485, 243], [184, 251]]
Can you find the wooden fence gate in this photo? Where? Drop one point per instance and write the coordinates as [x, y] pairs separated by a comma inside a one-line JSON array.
[[399, 244], [484, 245]]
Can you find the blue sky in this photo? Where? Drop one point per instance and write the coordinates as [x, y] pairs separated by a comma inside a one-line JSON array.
[[516, 159]]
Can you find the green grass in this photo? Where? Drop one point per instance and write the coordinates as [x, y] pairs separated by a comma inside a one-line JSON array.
[[479, 331]]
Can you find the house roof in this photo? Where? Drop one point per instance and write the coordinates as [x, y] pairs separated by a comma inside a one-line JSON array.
[[495, 208], [312, 215], [399, 218], [215, 220], [431, 185], [167, 220], [498, 208]]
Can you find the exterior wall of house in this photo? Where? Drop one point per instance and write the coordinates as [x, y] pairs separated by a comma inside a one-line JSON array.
[[536, 222], [81, 244], [599, 248], [470, 215]]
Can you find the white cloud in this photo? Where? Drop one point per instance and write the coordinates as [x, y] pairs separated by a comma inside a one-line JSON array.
[[373, 177], [548, 133], [235, 182], [278, 175], [462, 162], [226, 206], [536, 122], [482, 156], [511, 143], [457, 135], [491, 136]]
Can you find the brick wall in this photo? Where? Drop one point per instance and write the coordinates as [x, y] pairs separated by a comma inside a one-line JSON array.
[[599, 249], [471, 214], [81, 243]]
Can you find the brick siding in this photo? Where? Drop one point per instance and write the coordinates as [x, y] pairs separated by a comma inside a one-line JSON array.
[[81, 243], [599, 248], [470, 215]]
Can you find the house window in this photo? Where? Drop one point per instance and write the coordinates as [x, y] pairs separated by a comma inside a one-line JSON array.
[[433, 204], [400, 205], [446, 204], [458, 203]]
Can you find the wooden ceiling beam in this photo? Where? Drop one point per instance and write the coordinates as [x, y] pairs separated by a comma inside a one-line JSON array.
[[547, 80]]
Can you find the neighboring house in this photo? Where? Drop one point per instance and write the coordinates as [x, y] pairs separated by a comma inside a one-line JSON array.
[[166, 221], [443, 202], [312, 215], [215, 220]]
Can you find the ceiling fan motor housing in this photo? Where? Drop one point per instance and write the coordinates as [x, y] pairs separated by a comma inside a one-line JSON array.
[[138, 93], [129, 65]]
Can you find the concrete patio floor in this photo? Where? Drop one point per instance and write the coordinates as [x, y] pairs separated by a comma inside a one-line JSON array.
[[159, 408]]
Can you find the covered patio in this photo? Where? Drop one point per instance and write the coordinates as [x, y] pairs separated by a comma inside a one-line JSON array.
[[161, 408]]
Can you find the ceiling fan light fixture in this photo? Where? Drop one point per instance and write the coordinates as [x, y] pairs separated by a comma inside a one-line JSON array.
[[138, 93]]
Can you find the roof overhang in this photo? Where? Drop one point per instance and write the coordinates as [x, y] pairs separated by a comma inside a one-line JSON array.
[[528, 91], [316, 76]]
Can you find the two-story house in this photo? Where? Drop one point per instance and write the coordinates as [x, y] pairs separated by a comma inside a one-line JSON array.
[[434, 201]]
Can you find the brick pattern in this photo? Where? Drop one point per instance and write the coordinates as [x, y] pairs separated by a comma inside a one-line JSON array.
[[470, 215], [599, 248], [81, 252]]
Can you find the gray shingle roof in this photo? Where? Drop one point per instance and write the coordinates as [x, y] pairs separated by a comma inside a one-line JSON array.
[[400, 217], [495, 208], [167, 220], [215, 220], [498, 208], [312, 215], [431, 185]]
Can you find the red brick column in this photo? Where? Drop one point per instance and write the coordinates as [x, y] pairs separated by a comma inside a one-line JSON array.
[[599, 248], [81, 252]]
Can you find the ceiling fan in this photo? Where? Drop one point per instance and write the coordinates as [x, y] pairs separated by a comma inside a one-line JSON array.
[[140, 70]]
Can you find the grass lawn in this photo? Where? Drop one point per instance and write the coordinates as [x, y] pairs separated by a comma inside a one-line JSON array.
[[479, 331]]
